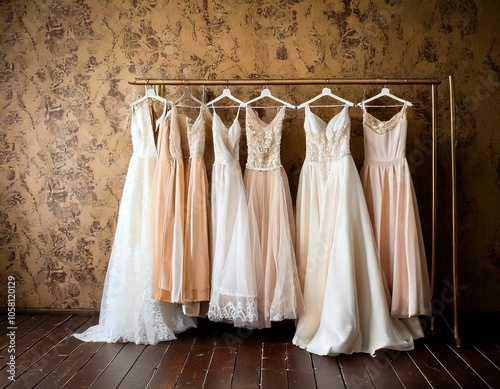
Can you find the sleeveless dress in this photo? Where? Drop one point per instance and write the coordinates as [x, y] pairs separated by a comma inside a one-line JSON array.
[[128, 312], [234, 285], [270, 207], [310, 191], [196, 274], [180, 215], [345, 298], [393, 209]]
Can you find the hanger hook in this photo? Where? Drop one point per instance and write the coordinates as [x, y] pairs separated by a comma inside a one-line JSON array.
[[227, 83]]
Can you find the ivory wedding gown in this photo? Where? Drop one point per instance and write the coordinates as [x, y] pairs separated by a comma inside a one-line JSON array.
[[345, 298], [234, 284], [128, 311]]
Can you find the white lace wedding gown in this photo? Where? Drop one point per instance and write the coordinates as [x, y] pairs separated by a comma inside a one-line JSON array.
[[128, 311], [346, 307], [234, 285]]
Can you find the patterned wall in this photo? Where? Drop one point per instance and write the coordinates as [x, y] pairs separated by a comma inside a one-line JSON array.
[[64, 95]]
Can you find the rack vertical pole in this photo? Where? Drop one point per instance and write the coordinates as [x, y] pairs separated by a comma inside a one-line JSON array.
[[454, 209], [434, 193]]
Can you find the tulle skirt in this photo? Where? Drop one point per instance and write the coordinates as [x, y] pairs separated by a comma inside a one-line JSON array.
[[270, 208], [234, 283], [128, 311]]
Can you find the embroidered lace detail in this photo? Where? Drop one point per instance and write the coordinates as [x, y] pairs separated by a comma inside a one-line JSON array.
[[128, 312], [315, 145], [264, 141], [327, 143], [239, 310], [338, 139], [197, 134], [379, 126]]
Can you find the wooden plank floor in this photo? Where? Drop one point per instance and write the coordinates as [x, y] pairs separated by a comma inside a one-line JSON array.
[[220, 356]]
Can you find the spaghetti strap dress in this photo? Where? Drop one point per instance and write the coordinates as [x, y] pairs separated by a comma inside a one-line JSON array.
[[392, 204], [180, 214], [234, 285], [345, 298], [128, 311]]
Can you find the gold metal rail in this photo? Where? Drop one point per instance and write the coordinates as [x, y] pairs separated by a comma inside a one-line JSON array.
[[434, 82]]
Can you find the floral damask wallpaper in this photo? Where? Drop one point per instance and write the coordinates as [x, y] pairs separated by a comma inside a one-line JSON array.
[[64, 95]]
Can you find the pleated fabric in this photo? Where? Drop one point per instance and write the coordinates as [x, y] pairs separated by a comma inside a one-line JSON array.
[[392, 204], [270, 209], [234, 282], [179, 214]]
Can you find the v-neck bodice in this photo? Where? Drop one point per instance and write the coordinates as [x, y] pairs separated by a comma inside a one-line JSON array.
[[226, 140], [327, 142], [264, 140]]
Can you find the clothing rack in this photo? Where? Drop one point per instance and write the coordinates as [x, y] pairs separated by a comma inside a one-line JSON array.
[[433, 82]]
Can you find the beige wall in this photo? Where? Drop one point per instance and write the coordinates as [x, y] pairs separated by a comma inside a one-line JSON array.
[[64, 96]]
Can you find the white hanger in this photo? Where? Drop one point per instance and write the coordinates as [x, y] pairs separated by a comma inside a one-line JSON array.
[[384, 92], [326, 92], [267, 93], [226, 93], [186, 95], [151, 94]]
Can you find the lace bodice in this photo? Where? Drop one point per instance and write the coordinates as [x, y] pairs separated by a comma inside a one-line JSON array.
[[315, 137], [264, 140], [143, 143], [385, 141], [338, 136], [327, 142], [226, 141], [196, 133]]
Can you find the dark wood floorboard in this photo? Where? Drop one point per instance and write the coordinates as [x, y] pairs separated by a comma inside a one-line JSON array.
[[381, 372], [300, 372], [432, 369], [172, 362], [44, 353], [354, 372], [327, 372], [143, 369], [219, 356]]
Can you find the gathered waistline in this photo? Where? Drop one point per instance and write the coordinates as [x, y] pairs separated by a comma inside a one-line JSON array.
[[264, 169], [384, 163]]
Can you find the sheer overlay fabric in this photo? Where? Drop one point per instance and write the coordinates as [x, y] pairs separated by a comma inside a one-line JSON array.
[[270, 209], [128, 311], [234, 283]]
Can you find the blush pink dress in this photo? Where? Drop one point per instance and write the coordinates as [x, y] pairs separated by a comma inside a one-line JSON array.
[[393, 209], [270, 208]]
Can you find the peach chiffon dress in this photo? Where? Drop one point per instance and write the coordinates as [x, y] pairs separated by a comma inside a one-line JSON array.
[[393, 210], [270, 207], [179, 215]]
